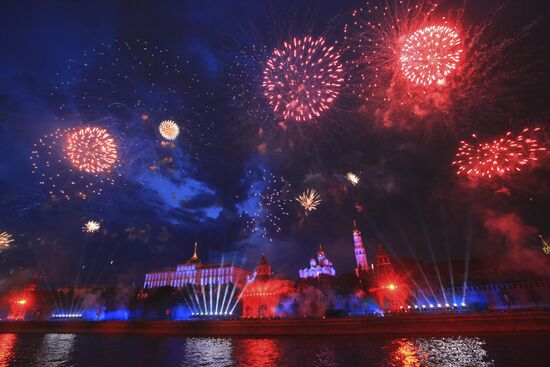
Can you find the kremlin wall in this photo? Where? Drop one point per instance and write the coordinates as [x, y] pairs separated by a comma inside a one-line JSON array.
[[197, 291]]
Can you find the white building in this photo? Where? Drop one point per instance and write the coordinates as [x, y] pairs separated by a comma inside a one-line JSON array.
[[194, 272], [318, 266]]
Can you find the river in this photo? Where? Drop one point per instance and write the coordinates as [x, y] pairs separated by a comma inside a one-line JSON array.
[[142, 350]]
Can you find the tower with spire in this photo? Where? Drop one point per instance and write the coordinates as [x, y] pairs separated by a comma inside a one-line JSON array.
[[194, 259], [360, 254]]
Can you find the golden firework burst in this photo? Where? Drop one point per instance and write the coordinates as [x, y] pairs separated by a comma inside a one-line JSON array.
[[5, 240], [309, 199]]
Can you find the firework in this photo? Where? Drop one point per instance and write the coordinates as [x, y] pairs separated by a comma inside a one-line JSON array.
[[309, 199], [131, 86], [430, 54], [271, 197], [5, 240], [91, 226], [245, 83], [499, 157], [375, 40], [411, 60], [302, 79], [352, 178], [399, 42], [545, 246], [91, 149], [169, 129], [56, 170]]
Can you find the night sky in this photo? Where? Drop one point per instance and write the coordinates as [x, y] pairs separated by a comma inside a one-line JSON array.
[[67, 64]]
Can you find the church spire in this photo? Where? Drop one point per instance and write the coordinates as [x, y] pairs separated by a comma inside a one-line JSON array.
[[194, 259]]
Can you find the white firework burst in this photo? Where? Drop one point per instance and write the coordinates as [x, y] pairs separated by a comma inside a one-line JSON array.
[[169, 129], [352, 178], [91, 226]]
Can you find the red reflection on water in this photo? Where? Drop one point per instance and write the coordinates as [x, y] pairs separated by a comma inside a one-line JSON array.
[[259, 352], [7, 341], [405, 354]]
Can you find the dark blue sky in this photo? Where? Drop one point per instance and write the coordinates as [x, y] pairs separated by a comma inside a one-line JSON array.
[[409, 199]]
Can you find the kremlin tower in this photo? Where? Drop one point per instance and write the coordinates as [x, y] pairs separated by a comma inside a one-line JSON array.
[[360, 255], [384, 267], [263, 270], [390, 291]]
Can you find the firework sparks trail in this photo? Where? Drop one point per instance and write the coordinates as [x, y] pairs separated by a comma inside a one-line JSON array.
[[309, 199], [272, 197], [380, 40], [352, 178], [91, 149], [5, 240], [499, 157], [245, 83], [57, 163], [302, 79], [169, 129], [91, 226]]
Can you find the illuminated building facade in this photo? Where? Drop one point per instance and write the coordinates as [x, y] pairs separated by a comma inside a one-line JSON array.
[[318, 266], [195, 273], [263, 296], [20, 303], [360, 254], [209, 291]]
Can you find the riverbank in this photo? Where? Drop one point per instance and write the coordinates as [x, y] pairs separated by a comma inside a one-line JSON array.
[[403, 324]]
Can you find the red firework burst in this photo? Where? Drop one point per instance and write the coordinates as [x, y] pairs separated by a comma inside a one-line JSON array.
[[91, 149], [303, 78], [430, 54], [401, 53], [499, 157]]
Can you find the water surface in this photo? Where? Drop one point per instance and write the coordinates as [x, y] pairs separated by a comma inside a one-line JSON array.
[[138, 350]]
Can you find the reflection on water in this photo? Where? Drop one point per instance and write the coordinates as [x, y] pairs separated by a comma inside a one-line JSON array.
[[208, 351], [326, 356], [441, 351], [405, 354], [55, 349], [257, 352], [454, 351], [7, 342], [320, 351]]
